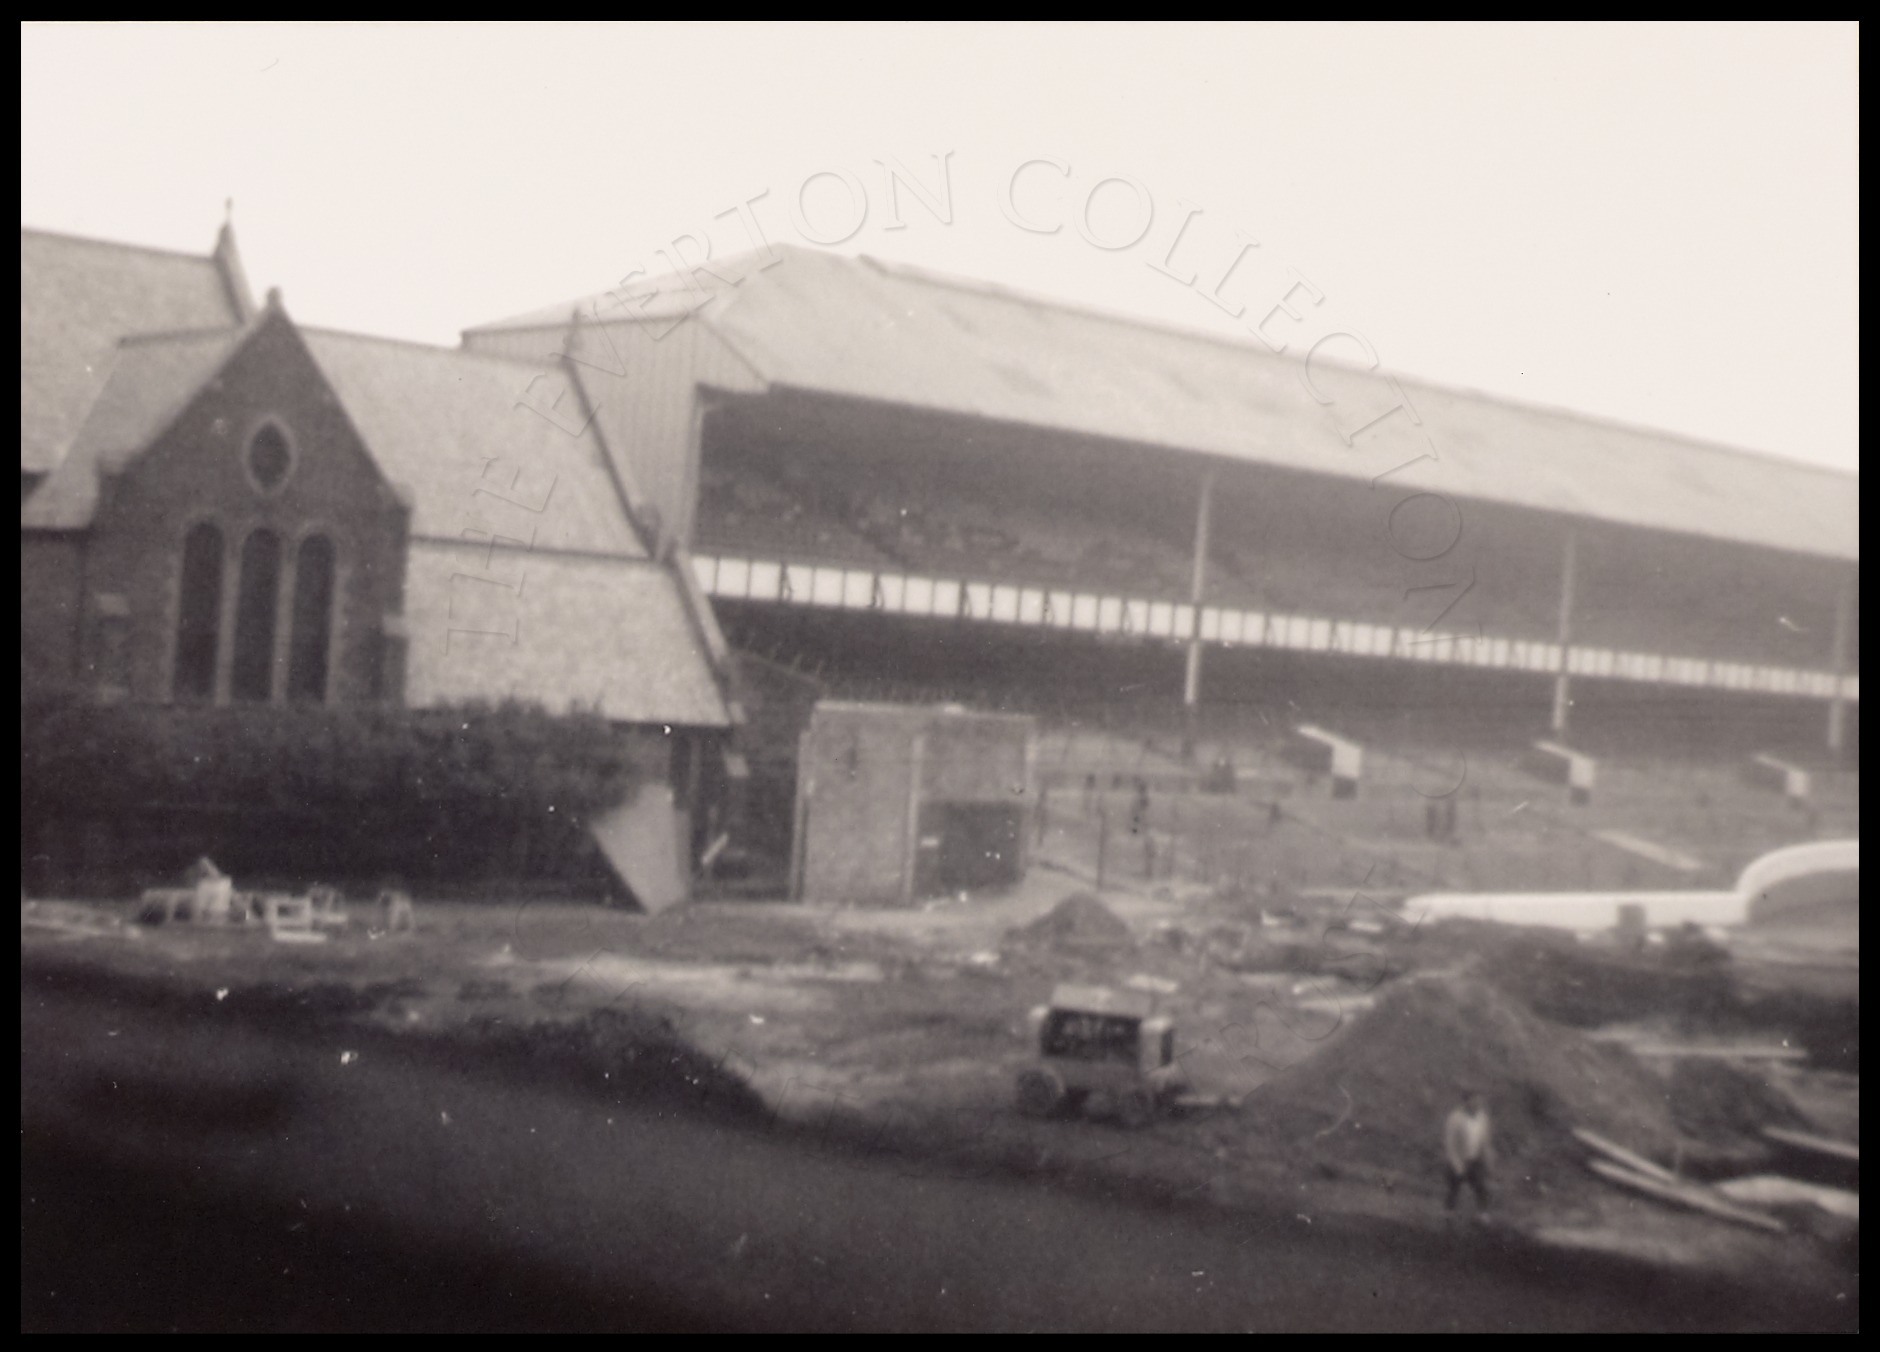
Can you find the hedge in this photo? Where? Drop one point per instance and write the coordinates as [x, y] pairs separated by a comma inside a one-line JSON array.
[[374, 783]]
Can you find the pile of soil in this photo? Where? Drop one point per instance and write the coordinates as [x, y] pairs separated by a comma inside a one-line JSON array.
[[1379, 1093], [1716, 1101], [1080, 921], [1589, 987]]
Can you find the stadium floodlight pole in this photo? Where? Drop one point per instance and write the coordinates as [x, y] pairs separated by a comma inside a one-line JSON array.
[[1837, 664], [1563, 697], [1191, 682]]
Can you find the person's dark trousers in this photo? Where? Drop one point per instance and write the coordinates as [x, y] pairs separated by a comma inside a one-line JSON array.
[[1475, 1174]]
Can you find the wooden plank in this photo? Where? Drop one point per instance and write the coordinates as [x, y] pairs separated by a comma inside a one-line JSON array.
[[1819, 1145], [1619, 1154], [1774, 1190], [1685, 1051], [1722, 1053], [1684, 1194]]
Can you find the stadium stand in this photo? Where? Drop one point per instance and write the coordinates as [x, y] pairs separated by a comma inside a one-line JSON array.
[[879, 425], [751, 509]]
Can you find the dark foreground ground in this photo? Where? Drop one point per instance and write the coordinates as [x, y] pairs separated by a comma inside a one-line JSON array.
[[180, 1171]]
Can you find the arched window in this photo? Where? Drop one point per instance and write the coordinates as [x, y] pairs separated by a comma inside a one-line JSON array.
[[313, 620], [256, 598], [199, 614]]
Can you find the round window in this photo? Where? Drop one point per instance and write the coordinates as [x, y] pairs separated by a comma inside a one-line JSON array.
[[269, 458]]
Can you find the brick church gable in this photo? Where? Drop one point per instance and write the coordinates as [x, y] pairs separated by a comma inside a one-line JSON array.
[[238, 539]]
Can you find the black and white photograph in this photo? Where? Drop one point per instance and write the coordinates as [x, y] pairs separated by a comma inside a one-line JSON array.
[[939, 677]]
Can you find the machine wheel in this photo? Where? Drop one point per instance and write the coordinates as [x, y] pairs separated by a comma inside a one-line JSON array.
[[1040, 1093], [1135, 1108]]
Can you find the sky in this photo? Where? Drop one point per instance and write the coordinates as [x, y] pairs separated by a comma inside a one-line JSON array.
[[1657, 225]]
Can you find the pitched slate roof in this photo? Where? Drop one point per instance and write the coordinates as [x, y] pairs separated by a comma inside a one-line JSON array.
[[607, 634], [79, 297], [448, 425], [869, 330], [150, 383], [597, 623], [440, 423]]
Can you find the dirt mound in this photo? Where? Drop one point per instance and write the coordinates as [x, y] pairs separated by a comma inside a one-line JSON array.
[[1378, 1094], [1078, 921], [1715, 1101]]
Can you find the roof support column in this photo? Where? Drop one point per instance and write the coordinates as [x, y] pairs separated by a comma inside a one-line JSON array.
[[1563, 693], [1191, 682], [910, 849], [1837, 663]]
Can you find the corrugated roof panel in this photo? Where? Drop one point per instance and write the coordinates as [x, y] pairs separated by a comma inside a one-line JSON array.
[[639, 300], [868, 330], [871, 331]]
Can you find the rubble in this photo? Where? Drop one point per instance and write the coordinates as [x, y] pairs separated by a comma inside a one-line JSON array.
[[1713, 1100], [71, 919], [395, 911], [1377, 1093], [210, 898], [1080, 921], [207, 898]]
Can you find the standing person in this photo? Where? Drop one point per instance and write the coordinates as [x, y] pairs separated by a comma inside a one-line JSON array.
[[1467, 1150]]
